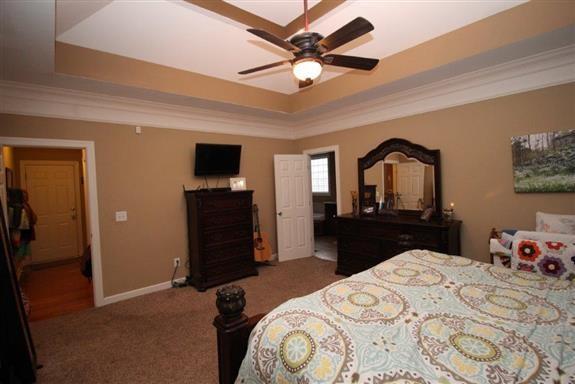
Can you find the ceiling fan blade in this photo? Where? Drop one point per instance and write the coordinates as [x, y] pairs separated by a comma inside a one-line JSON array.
[[351, 31], [261, 68], [273, 39], [305, 83], [355, 62]]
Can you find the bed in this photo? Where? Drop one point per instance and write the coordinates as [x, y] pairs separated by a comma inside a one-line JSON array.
[[420, 317]]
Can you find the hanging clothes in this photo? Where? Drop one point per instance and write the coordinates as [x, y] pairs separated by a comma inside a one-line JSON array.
[[21, 222]]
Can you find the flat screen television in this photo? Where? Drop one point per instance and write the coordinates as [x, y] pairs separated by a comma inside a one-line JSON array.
[[217, 159]]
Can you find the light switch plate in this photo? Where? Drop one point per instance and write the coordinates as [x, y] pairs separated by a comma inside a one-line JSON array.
[[121, 215]]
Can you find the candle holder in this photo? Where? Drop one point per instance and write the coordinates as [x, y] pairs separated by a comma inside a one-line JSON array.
[[448, 214], [354, 203]]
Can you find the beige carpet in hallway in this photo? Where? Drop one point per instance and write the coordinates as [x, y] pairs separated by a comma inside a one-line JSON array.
[[164, 337]]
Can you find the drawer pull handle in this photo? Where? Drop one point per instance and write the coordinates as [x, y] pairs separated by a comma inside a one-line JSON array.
[[405, 237]]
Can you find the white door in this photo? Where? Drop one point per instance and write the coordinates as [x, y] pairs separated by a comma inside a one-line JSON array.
[[53, 190], [410, 185], [293, 206]]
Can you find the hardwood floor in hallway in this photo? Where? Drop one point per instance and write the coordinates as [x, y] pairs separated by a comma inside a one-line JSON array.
[[57, 290]]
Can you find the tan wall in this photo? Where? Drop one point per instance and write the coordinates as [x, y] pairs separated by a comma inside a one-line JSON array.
[[475, 144], [52, 154], [143, 174]]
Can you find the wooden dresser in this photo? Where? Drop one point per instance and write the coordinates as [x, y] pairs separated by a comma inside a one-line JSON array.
[[365, 241], [220, 237]]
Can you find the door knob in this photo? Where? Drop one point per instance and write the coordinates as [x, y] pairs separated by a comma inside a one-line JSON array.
[[279, 213]]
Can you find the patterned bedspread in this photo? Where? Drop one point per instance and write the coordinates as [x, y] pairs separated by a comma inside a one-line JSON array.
[[421, 317]]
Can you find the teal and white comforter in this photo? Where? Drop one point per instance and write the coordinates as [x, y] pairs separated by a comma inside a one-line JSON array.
[[421, 317]]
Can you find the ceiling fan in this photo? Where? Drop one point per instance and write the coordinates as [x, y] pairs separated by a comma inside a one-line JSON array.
[[309, 50]]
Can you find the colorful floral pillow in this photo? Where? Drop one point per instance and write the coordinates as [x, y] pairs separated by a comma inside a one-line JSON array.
[[548, 258], [547, 222]]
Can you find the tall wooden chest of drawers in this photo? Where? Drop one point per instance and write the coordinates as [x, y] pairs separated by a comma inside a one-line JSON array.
[[220, 237], [365, 241]]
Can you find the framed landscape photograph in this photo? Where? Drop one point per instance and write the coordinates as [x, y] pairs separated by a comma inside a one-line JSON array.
[[544, 162]]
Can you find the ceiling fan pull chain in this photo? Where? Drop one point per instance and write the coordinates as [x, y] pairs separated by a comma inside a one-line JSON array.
[[305, 15]]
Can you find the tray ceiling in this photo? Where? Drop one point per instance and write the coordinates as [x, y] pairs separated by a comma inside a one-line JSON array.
[[187, 53], [185, 36]]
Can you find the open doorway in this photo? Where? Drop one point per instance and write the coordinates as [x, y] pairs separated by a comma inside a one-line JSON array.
[[325, 200], [48, 220]]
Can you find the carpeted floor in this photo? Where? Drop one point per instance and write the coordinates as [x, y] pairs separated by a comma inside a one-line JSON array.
[[163, 337], [326, 247]]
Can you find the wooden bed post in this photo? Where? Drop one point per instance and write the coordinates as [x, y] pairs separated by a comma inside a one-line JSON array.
[[234, 329], [229, 324]]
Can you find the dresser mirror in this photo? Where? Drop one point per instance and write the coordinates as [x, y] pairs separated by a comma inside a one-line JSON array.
[[400, 177]]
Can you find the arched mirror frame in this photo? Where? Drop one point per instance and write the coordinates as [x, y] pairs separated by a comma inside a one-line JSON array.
[[411, 150]]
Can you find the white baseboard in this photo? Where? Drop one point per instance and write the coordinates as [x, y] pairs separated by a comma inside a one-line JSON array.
[[149, 289], [140, 291]]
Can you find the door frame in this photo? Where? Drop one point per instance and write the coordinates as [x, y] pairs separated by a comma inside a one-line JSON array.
[[335, 150], [77, 193], [91, 203]]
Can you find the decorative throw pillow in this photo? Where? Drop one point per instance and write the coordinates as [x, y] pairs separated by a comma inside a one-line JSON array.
[[548, 258], [547, 222], [544, 236]]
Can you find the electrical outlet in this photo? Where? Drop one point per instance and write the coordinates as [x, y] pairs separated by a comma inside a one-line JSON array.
[[176, 262]]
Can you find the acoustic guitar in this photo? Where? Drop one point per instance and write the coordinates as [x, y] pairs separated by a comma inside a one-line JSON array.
[[262, 249]]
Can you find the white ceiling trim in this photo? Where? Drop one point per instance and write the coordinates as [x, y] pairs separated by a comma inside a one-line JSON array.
[[538, 71], [543, 70], [34, 100]]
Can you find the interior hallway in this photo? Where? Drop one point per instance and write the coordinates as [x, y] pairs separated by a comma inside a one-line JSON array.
[[57, 290]]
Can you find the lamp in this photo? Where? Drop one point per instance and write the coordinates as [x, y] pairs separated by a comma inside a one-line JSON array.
[[307, 69]]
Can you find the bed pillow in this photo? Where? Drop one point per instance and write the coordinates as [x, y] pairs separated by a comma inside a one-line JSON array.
[[547, 222], [544, 236], [548, 258]]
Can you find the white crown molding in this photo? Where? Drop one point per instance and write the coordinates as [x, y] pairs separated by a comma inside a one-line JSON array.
[[543, 70], [546, 69], [37, 100]]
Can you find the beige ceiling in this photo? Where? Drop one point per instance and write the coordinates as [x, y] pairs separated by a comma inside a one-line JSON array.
[[189, 52]]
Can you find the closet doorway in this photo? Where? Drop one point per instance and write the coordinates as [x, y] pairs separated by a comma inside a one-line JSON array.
[[52, 233], [326, 199]]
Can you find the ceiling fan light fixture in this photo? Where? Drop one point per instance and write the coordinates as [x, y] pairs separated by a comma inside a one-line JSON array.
[[307, 69]]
